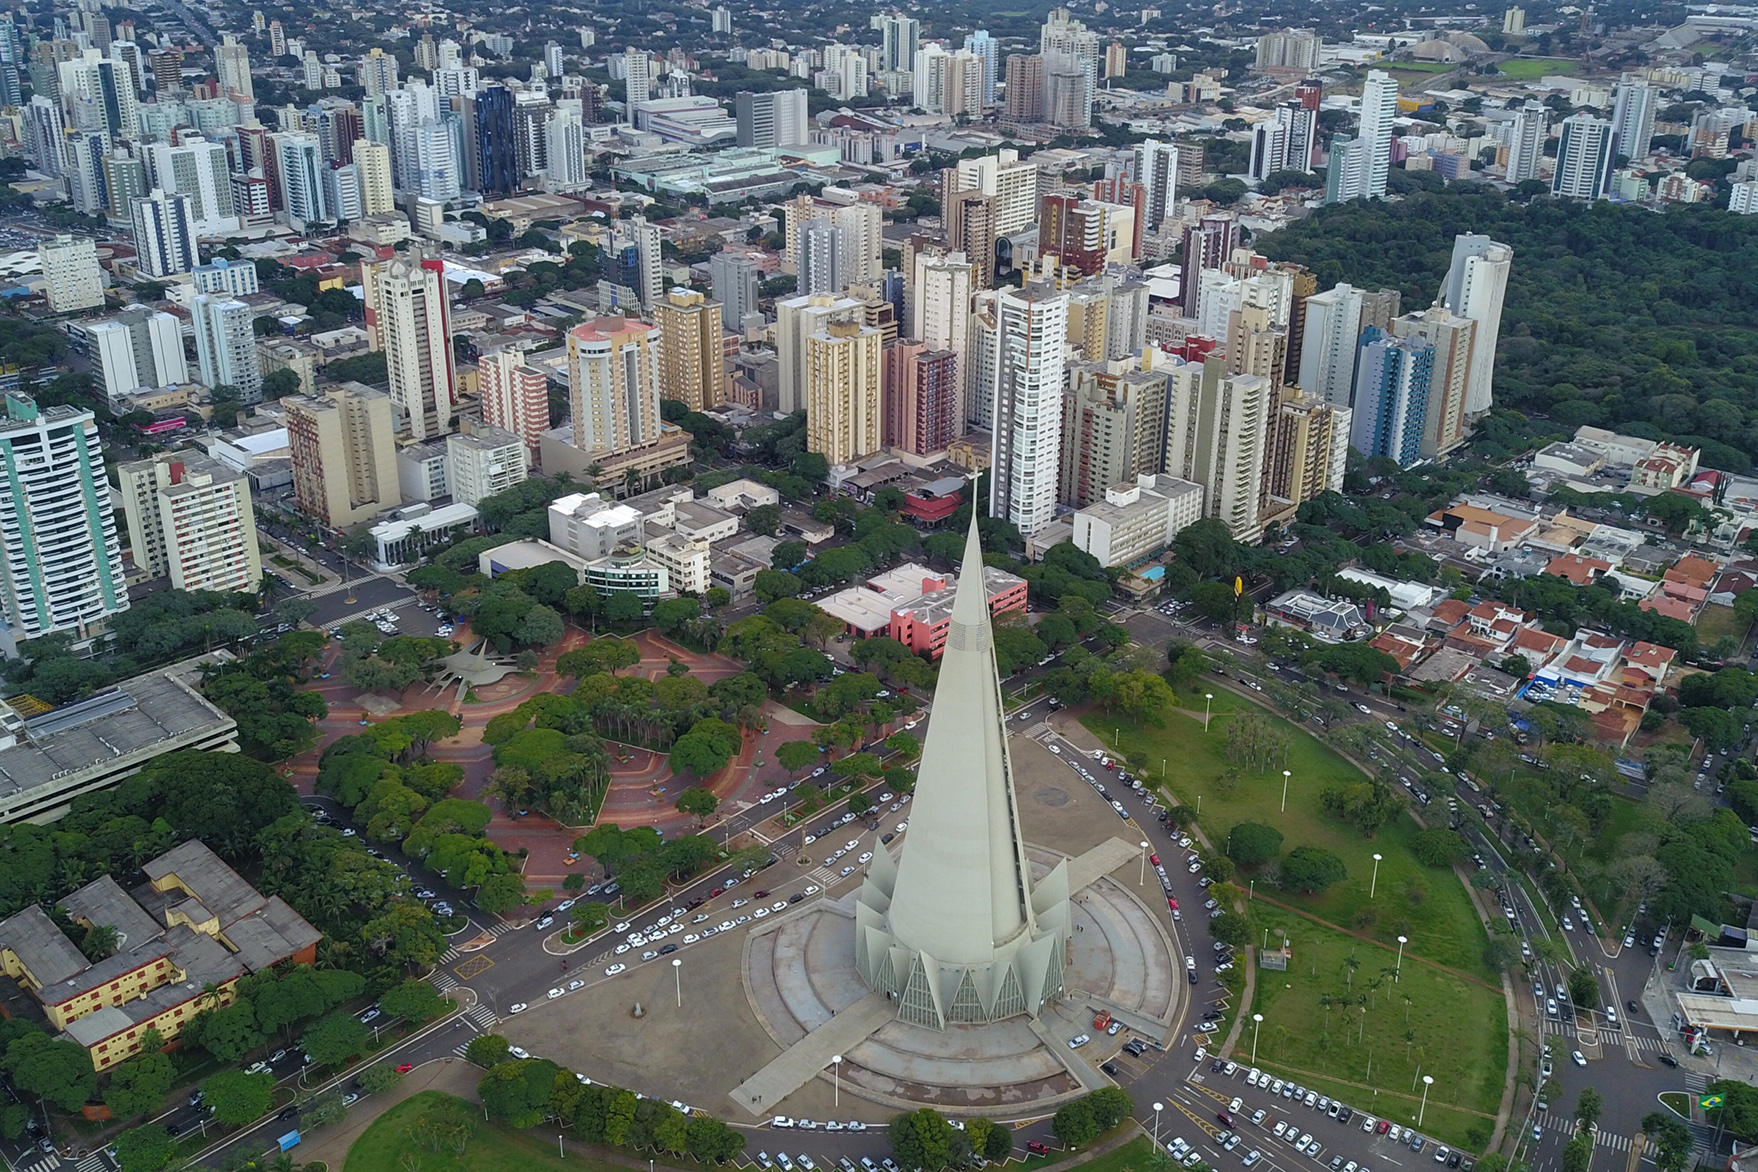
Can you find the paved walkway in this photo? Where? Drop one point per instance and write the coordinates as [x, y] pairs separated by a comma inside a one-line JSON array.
[[451, 1075], [809, 1057]]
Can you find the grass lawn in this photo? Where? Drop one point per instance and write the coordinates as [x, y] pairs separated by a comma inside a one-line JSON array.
[[1452, 1029], [1457, 1018], [1531, 68], [1133, 1156], [1429, 906], [1716, 621], [384, 1145]]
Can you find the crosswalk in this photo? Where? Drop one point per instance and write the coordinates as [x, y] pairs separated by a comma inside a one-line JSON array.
[[1565, 1125], [96, 1162], [54, 1162], [483, 1016], [443, 981]]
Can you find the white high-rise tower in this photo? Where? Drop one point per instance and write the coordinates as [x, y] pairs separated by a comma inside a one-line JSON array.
[[1477, 282], [1029, 372]]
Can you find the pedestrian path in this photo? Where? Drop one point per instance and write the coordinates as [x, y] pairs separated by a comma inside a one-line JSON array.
[[483, 1016], [443, 981]]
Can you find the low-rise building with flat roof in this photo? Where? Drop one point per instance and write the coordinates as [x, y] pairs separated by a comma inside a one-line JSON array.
[[90, 744], [1137, 519], [913, 605], [1329, 620]]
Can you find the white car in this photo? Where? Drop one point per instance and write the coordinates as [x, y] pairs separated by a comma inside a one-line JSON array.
[[1577, 1058], [760, 913], [779, 905], [621, 948], [614, 969], [726, 925], [811, 889], [554, 993], [866, 857], [691, 938], [516, 1007]]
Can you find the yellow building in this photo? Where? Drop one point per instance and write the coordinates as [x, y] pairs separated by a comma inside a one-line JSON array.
[[692, 369], [843, 407], [186, 936]]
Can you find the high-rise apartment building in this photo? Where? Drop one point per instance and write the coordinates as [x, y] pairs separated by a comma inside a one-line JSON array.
[[377, 195], [1360, 166], [299, 162], [565, 141], [98, 92], [900, 39], [924, 393], [232, 68], [1633, 106], [1526, 142], [225, 344], [1329, 343], [1309, 451], [514, 395], [1392, 379], [199, 169], [776, 118], [1285, 141], [344, 454], [1025, 88], [1217, 435], [1114, 427], [691, 367], [409, 316], [939, 303], [613, 383], [734, 280], [816, 263], [1029, 372], [1207, 245], [1586, 157], [138, 348], [1452, 336], [1294, 50], [164, 233], [483, 460], [1004, 175], [62, 563], [843, 402], [237, 277], [987, 50], [378, 71], [1072, 54], [637, 79], [491, 142], [649, 262], [1156, 169], [72, 278], [858, 244], [796, 319], [1477, 284], [45, 134], [190, 520], [969, 217], [1256, 343]]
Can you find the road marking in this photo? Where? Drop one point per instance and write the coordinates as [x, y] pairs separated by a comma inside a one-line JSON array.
[[474, 967]]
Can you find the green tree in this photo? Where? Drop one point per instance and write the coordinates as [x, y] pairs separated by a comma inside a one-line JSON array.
[[796, 755], [1074, 1124], [1671, 1138], [921, 1139], [1739, 1107], [1583, 987], [60, 1072], [698, 802], [378, 1078], [145, 1149], [1251, 844], [1439, 847], [1589, 1106], [486, 1050], [517, 1093], [413, 1001], [334, 1039], [1312, 870], [237, 1098], [139, 1085], [904, 744]]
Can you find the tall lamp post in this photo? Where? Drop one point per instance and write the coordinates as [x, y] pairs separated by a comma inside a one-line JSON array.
[[677, 967], [1375, 883], [1398, 973], [836, 1080], [1427, 1081], [1157, 1108], [1143, 878], [1286, 774], [1257, 1022], [1208, 698]]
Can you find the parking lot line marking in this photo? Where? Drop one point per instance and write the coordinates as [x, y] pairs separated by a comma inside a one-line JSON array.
[[473, 968]]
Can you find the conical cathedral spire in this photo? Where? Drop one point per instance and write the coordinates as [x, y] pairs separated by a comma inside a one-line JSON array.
[[956, 930]]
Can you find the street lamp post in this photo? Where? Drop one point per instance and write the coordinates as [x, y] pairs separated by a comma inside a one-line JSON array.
[[1143, 878], [677, 966], [1427, 1081], [1208, 698], [1286, 774], [1257, 1021], [1157, 1108], [1398, 973], [1375, 883], [836, 1080]]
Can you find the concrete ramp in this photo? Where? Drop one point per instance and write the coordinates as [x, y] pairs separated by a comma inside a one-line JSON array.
[[1101, 860], [1077, 1066], [803, 1061]]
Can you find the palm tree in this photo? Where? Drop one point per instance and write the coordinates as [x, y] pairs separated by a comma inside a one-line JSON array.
[[1351, 964], [266, 589], [101, 941]]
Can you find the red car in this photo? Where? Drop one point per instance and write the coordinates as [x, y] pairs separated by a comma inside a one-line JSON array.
[[717, 891], [1385, 1125], [405, 1068], [1037, 1147], [1173, 902], [1154, 859]]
